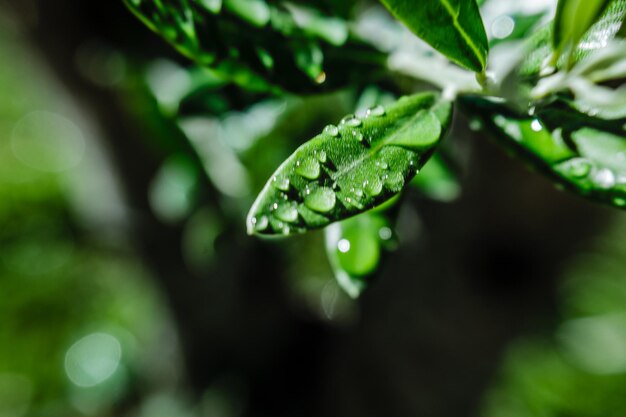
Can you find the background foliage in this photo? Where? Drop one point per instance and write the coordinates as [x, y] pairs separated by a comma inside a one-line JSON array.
[[127, 169]]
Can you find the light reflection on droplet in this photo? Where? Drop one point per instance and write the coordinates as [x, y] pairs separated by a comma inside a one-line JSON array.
[[93, 359], [47, 142], [536, 125], [343, 245]]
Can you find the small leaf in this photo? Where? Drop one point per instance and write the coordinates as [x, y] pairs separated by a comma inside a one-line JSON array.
[[352, 167], [573, 19], [453, 27], [354, 248], [584, 154]]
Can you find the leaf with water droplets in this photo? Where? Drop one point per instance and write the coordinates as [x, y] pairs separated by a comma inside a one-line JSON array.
[[353, 166], [584, 154], [453, 27]]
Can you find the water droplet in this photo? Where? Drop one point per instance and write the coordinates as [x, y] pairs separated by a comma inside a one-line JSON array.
[[373, 187], [536, 125], [351, 120], [578, 167], [286, 230], [343, 245], [357, 135], [375, 111], [282, 183], [321, 199], [382, 164], [287, 213], [321, 156], [357, 192], [308, 168], [604, 178], [274, 206], [394, 180], [331, 130], [260, 223]]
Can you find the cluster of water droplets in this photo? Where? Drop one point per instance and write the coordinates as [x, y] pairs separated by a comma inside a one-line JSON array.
[[587, 173], [320, 194]]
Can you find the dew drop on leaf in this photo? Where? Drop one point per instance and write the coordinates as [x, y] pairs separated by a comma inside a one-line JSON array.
[[308, 168], [376, 111], [331, 130], [382, 164], [282, 183], [321, 199], [260, 223], [536, 126], [351, 120], [578, 167], [394, 180], [321, 156], [357, 135], [373, 186], [604, 178], [287, 213]]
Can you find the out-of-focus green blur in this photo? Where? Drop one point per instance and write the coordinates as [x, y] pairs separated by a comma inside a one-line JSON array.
[[87, 328]]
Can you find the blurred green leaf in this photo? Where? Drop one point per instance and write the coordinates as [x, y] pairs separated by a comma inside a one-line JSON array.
[[262, 46], [573, 19], [354, 249], [453, 27], [350, 168], [540, 50], [584, 154]]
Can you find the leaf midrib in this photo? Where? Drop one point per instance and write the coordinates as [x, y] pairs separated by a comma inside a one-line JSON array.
[[455, 21], [370, 153]]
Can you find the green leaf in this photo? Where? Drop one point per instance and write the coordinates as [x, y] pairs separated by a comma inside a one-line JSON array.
[[453, 27], [352, 167], [261, 45], [354, 248], [598, 36], [573, 19], [583, 154]]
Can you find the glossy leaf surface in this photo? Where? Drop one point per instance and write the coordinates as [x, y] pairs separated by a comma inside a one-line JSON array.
[[352, 167], [584, 154], [453, 27]]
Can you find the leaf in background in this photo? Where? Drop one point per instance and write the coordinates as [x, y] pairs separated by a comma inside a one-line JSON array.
[[453, 27], [584, 154], [354, 248], [352, 167], [597, 37], [263, 46], [573, 19]]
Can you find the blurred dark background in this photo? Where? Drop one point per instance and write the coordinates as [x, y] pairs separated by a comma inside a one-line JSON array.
[[128, 286]]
